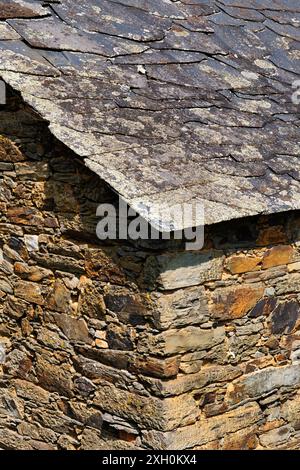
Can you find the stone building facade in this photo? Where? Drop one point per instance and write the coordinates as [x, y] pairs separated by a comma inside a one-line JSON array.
[[137, 345]]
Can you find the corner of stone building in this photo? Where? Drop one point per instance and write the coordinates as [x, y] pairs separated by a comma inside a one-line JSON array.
[[125, 346], [229, 317]]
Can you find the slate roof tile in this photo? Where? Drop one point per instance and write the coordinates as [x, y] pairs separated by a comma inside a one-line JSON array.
[[169, 102]]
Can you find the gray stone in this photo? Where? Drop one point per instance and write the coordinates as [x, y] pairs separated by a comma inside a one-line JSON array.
[[181, 308], [147, 411], [75, 329], [184, 383], [189, 269], [289, 284], [181, 341], [263, 381], [274, 437], [31, 242], [205, 430], [6, 286]]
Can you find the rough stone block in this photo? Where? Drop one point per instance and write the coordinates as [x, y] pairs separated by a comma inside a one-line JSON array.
[[152, 366], [147, 411], [189, 269], [263, 381], [208, 375], [239, 264], [288, 284], [181, 308], [75, 329], [205, 430], [284, 317], [236, 301], [30, 292], [291, 411], [277, 256], [54, 378], [275, 437], [184, 340]]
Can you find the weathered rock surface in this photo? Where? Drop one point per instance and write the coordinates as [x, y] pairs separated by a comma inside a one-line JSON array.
[[187, 339], [235, 302], [263, 381], [189, 269], [180, 101], [122, 345], [181, 308], [206, 431]]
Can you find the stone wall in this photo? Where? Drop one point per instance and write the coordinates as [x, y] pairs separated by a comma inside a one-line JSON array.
[[129, 346], [231, 316]]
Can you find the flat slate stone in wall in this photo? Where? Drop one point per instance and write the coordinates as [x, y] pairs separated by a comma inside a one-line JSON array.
[[181, 308], [189, 269]]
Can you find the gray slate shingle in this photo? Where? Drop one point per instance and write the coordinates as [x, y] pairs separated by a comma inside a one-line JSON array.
[[168, 101]]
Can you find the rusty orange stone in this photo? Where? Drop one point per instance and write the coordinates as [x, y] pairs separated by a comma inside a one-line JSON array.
[[271, 235], [242, 440], [269, 425], [239, 264], [277, 256], [9, 152], [235, 302]]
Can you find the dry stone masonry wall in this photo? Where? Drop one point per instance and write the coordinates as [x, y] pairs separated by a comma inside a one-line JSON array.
[[123, 346]]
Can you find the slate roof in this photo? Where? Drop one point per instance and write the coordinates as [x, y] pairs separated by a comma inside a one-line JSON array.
[[168, 101]]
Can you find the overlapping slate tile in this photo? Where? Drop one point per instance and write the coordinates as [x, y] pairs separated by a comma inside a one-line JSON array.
[[168, 101], [181, 38], [244, 13], [114, 19], [7, 33], [51, 33], [161, 8], [16, 55], [284, 30]]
